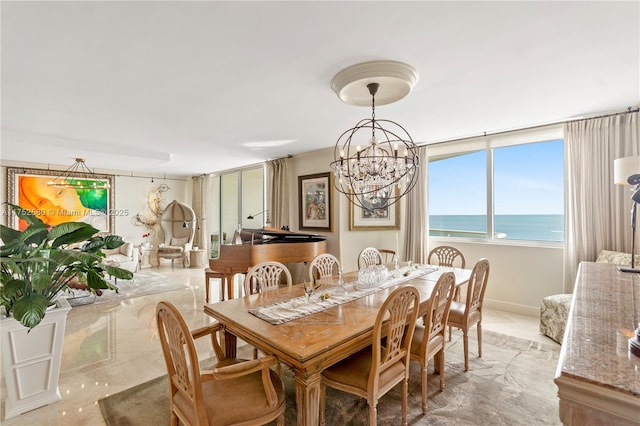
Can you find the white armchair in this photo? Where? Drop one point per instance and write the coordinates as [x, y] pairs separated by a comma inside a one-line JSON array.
[[177, 222]]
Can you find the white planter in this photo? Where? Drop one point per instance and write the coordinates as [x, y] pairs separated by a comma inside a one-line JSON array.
[[31, 361]]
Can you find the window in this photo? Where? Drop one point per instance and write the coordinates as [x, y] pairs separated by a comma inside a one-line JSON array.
[[241, 194], [458, 196], [529, 191], [527, 200]]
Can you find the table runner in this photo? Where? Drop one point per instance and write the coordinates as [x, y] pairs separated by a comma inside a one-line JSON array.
[[289, 310]]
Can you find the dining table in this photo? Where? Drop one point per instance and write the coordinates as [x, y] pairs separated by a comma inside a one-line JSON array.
[[309, 335]]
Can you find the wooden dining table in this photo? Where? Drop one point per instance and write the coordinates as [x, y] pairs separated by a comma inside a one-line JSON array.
[[314, 342]]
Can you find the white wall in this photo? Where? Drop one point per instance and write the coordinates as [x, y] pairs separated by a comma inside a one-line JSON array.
[[519, 276], [133, 196]]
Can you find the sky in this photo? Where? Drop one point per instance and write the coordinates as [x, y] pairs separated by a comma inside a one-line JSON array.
[[528, 179]]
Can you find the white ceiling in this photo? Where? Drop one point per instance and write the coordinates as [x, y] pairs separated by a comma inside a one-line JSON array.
[[180, 87]]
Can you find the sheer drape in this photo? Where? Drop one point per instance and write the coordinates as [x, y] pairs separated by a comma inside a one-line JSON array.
[[278, 192], [416, 239], [597, 212], [199, 201]]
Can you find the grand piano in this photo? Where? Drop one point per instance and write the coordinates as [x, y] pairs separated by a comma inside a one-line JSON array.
[[262, 245]]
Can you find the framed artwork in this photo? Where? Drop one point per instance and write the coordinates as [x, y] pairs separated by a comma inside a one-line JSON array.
[[28, 189], [315, 192], [378, 216]]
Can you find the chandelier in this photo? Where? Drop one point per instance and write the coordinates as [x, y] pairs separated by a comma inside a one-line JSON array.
[[386, 168], [78, 176]]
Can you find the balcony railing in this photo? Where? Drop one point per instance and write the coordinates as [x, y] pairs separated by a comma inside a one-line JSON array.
[[464, 234]]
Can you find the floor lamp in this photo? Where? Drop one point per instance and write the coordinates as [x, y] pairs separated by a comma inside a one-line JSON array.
[[626, 171]]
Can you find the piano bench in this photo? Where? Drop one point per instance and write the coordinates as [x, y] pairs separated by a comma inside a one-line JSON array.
[[208, 274]]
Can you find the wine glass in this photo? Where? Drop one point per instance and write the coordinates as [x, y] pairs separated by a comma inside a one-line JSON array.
[[309, 288], [340, 289], [396, 265]]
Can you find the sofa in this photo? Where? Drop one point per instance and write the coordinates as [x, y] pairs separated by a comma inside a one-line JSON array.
[[127, 256]]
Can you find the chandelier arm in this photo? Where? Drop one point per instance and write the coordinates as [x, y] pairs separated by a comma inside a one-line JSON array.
[[77, 176]]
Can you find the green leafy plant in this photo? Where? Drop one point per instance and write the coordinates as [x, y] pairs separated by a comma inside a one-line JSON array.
[[39, 263]]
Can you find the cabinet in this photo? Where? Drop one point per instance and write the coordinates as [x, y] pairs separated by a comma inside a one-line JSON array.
[[598, 378]]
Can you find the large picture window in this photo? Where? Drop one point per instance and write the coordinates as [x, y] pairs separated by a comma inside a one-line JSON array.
[[505, 192], [458, 196]]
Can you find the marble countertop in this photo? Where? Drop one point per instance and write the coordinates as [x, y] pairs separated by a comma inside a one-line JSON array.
[[604, 311]]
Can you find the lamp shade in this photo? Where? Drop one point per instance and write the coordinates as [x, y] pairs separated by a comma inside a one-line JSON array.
[[625, 167]]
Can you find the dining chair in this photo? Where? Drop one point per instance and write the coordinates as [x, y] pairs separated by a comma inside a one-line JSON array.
[[369, 256], [323, 265], [265, 276], [429, 338], [447, 256], [376, 369], [466, 315], [218, 396], [386, 255]]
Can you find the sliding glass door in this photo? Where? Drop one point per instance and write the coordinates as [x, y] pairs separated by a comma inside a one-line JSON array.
[[241, 198]]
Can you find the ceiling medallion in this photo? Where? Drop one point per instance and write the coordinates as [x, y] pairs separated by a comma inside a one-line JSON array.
[[383, 171]]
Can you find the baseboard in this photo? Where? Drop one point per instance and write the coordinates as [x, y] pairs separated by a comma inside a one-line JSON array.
[[512, 307]]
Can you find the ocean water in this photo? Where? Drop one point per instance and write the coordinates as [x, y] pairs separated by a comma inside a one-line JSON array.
[[531, 227]]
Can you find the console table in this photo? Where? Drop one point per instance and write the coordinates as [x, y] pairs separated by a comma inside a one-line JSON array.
[[598, 378]]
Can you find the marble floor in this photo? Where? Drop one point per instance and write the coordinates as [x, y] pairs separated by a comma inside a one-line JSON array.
[[113, 346]]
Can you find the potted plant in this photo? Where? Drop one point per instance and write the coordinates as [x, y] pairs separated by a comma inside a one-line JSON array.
[[36, 267]]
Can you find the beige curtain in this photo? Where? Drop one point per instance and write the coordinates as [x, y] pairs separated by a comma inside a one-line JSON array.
[[200, 199], [416, 238], [278, 192], [597, 212]]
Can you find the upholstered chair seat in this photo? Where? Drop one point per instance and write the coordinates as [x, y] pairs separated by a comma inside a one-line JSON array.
[[226, 400], [456, 314]]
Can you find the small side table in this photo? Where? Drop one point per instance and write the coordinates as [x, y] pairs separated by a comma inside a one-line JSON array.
[[145, 261], [196, 258]]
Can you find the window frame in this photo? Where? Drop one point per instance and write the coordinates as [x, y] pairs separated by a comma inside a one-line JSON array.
[[488, 143]]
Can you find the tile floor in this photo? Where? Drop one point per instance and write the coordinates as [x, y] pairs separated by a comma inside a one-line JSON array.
[[113, 346]]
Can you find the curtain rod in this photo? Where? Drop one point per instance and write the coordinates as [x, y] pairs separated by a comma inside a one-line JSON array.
[[150, 177], [535, 126]]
